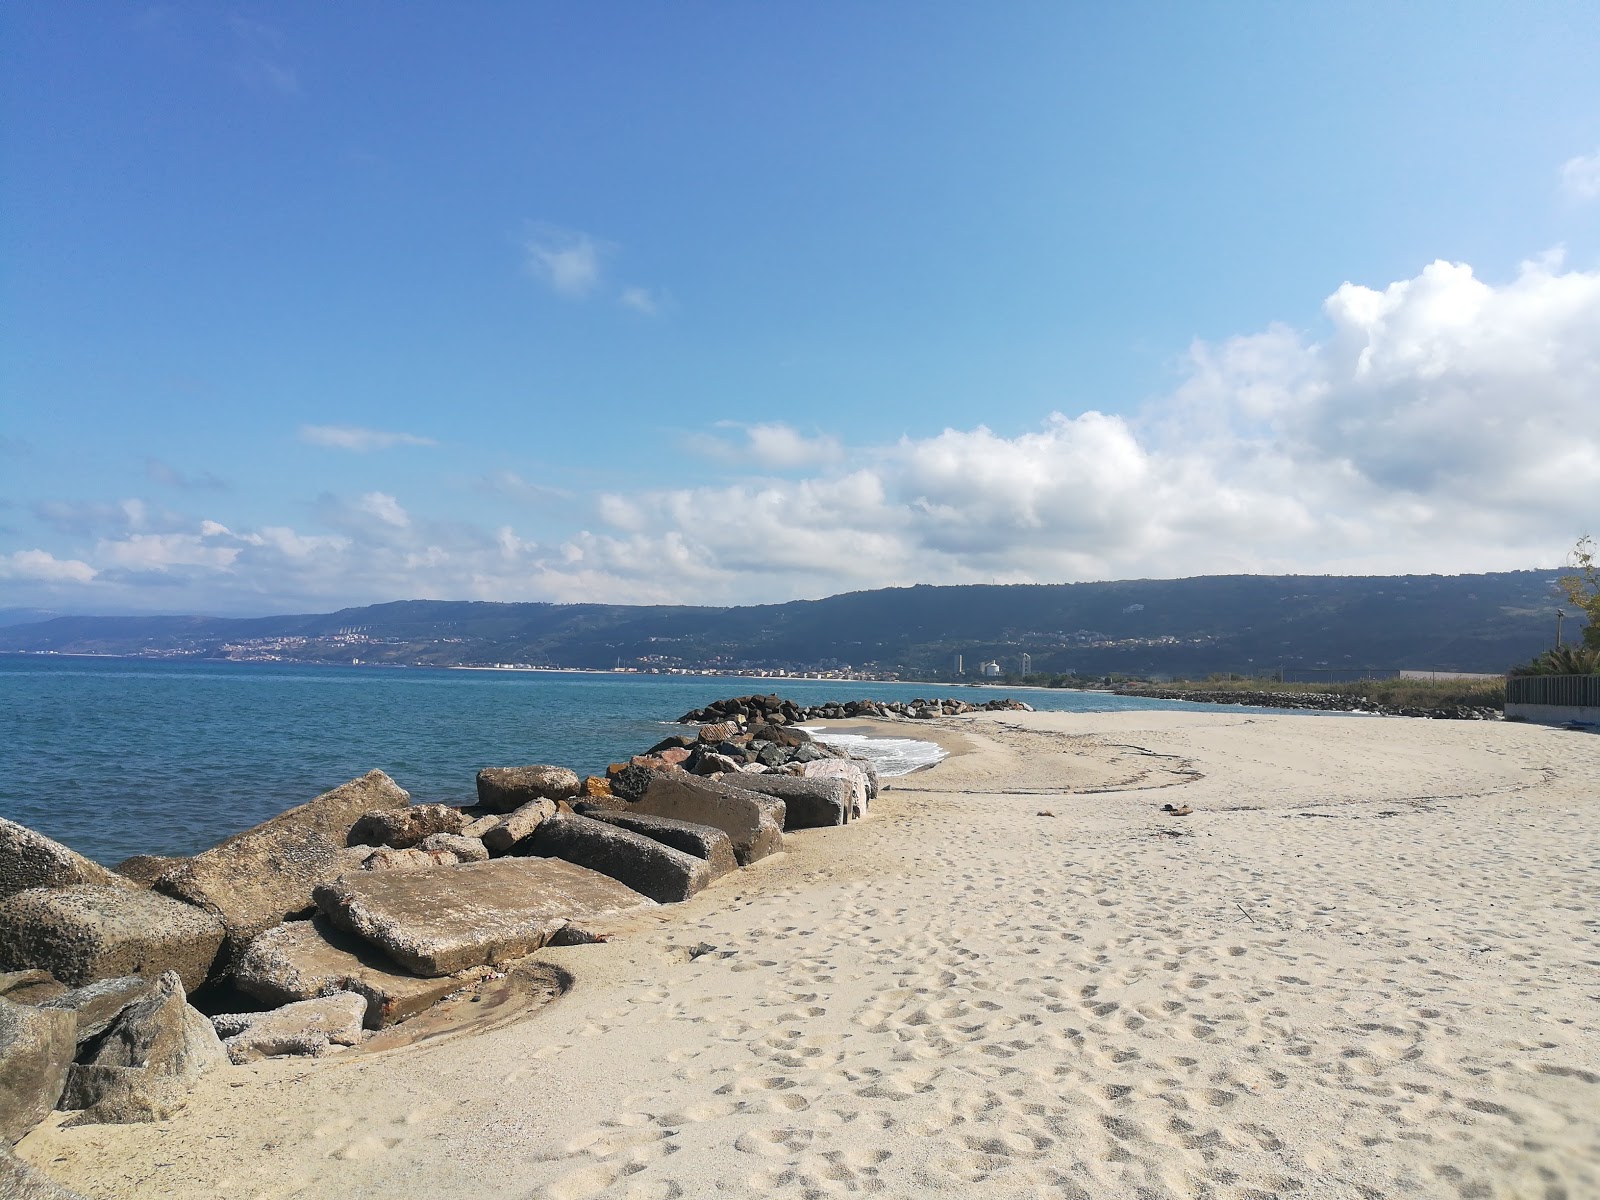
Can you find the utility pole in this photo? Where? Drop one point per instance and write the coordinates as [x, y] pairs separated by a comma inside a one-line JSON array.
[[1560, 615]]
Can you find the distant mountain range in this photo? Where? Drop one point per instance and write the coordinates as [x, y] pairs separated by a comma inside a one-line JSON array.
[[1244, 623]]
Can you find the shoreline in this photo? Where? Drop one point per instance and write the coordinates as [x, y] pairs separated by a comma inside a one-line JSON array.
[[962, 994]]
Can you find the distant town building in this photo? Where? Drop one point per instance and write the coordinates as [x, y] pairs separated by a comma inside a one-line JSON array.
[[958, 670], [1027, 663], [991, 670]]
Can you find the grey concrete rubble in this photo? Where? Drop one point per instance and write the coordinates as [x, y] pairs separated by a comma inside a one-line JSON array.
[[260, 878], [36, 1049], [649, 867], [307, 1027], [440, 921], [97, 1005], [141, 1067], [86, 932], [813, 803], [754, 823], [403, 828], [503, 789], [518, 824], [30, 986], [853, 774], [28, 859], [301, 960], [465, 849], [702, 841]]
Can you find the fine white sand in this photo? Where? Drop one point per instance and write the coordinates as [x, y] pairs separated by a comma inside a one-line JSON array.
[[1367, 966]]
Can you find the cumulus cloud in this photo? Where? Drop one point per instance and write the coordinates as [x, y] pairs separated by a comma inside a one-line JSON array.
[[641, 300], [773, 445], [1438, 423], [1580, 177], [353, 437], [43, 567], [565, 259]]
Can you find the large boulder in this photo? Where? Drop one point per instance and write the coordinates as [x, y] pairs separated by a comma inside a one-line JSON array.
[[87, 932], [518, 825], [36, 1049], [301, 960], [808, 803], [141, 1067], [97, 1005], [464, 849], [309, 1027], [754, 823], [702, 841], [649, 867], [450, 918], [852, 772], [504, 789], [20, 1180], [145, 869], [265, 875], [30, 986], [403, 828], [31, 860]]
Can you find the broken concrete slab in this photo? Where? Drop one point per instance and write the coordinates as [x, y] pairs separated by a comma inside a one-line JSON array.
[[141, 1067], [305, 959], [36, 1049], [87, 932], [31, 986], [505, 789], [28, 859], [518, 825], [447, 919], [851, 772], [465, 849], [808, 803], [702, 841], [753, 822], [265, 875], [309, 1027], [97, 1005], [649, 867], [403, 828]]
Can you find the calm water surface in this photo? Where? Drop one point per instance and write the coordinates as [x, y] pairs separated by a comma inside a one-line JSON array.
[[122, 756]]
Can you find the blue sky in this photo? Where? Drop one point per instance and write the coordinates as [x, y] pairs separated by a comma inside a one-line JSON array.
[[307, 305]]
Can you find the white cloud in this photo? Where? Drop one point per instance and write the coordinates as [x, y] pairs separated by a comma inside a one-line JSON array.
[[43, 567], [773, 445], [353, 437], [1580, 177], [565, 259], [641, 300], [1439, 423], [386, 508]]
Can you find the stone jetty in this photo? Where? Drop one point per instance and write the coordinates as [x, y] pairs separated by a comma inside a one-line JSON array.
[[361, 908]]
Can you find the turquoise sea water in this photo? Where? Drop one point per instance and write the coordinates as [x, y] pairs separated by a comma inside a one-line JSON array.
[[124, 756]]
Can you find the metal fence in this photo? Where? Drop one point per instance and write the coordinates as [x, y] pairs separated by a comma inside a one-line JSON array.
[[1575, 691]]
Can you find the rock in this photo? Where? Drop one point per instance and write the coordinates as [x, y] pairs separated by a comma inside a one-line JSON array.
[[385, 858], [808, 803], [649, 867], [143, 869], [20, 1180], [630, 781], [97, 1005], [403, 828], [673, 756], [595, 788], [447, 919], [139, 1069], [301, 960], [86, 932], [717, 733], [482, 825], [503, 789], [702, 841], [308, 1027], [265, 875], [31, 860], [518, 825], [753, 822], [851, 772], [465, 849], [780, 735], [677, 741], [36, 1049], [30, 987]]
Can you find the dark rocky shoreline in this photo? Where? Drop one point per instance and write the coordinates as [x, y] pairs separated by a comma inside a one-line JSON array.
[[1317, 701]]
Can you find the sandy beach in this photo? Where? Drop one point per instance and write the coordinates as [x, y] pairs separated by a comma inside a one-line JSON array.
[[1368, 965]]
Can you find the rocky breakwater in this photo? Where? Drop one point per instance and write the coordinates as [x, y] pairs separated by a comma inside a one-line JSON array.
[[754, 711], [1317, 702], [360, 908]]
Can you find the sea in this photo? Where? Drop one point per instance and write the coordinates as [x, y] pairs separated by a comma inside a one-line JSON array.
[[118, 756]]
